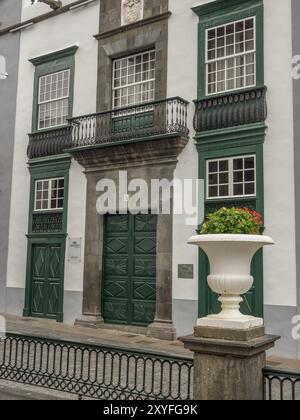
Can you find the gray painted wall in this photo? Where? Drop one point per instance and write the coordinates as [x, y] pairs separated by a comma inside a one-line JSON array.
[[10, 12], [296, 51]]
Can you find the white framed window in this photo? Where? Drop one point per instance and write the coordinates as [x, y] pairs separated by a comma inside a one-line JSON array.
[[231, 177], [49, 194], [231, 56], [53, 99], [134, 79]]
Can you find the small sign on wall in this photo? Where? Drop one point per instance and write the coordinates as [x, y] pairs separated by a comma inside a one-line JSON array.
[[74, 250], [185, 271]]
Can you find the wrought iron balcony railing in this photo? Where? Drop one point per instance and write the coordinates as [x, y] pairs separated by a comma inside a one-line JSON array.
[[48, 142], [231, 109], [139, 122]]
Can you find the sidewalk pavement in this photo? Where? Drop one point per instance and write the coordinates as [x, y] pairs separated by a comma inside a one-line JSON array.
[[126, 340]]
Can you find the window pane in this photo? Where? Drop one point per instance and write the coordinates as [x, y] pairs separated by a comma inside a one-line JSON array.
[[49, 194], [218, 178], [249, 176], [230, 48], [238, 176], [213, 191], [54, 113], [53, 91], [238, 189], [223, 191], [231, 177], [250, 189], [138, 76], [213, 166], [238, 164], [213, 179], [249, 163], [223, 178], [223, 165]]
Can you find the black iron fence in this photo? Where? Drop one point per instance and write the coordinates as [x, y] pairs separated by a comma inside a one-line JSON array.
[[111, 373], [95, 371], [281, 385], [157, 118]]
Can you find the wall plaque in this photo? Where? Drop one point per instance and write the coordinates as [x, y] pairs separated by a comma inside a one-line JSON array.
[[74, 254], [132, 11], [185, 271]]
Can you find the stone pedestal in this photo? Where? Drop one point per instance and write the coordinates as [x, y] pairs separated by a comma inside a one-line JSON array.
[[228, 363]]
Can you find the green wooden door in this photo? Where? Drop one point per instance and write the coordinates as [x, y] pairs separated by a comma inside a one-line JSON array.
[[129, 269], [46, 280]]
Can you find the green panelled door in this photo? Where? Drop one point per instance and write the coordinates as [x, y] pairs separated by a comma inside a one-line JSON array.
[[129, 269], [46, 280]]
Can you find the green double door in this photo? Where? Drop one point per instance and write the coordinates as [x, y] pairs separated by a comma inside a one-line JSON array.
[[129, 269], [46, 280]]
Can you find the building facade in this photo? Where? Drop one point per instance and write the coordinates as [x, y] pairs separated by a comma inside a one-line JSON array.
[[10, 12], [143, 90]]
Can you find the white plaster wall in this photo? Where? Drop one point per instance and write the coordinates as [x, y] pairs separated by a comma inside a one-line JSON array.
[[182, 81], [72, 28], [76, 226], [279, 261]]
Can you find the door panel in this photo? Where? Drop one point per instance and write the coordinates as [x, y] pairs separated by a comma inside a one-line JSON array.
[[129, 269], [46, 282], [39, 280]]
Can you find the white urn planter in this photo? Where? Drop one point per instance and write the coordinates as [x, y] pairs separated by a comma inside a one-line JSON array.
[[230, 259]]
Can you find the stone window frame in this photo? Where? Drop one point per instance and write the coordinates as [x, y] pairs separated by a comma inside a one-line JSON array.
[[129, 43], [133, 84]]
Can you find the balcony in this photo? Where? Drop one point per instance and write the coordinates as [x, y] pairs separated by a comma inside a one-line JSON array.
[[132, 124], [231, 110], [48, 142], [166, 118]]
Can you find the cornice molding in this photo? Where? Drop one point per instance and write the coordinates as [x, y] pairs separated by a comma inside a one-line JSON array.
[[138, 24], [56, 55], [42, 17], [218, 5], [246, 135]]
